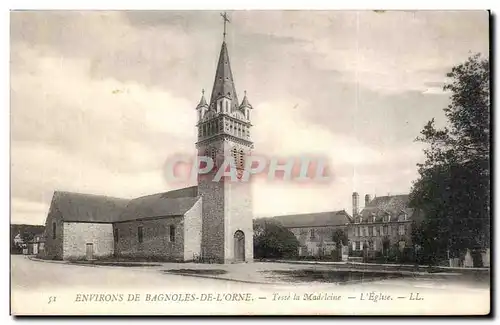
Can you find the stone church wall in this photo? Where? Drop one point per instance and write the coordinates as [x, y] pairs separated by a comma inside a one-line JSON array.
[[53, 249], [77, 235], [156, 239], [239, 216], [192, 232]]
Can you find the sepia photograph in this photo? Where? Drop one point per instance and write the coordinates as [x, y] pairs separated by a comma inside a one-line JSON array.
[[250, 162]]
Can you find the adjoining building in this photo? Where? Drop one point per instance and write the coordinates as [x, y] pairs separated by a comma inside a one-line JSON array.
[[211, 221], [316, 231], [384, 222]]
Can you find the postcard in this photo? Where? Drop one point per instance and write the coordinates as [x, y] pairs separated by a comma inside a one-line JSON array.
[[250, 162]]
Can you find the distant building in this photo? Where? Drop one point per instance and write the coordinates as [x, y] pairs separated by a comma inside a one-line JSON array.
[[384, 222], [36, 245], [18, 240], [315, 231]]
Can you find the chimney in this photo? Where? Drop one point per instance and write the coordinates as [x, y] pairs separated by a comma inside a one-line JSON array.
[[355, 204], [367, 199]]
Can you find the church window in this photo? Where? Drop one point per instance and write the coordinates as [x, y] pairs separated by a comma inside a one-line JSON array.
[[139, 234], [213, 154], [54, 230], [234, 154], [241, 159], [116, 235], [172, 233]]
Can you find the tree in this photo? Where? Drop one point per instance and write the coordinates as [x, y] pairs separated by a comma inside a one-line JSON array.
[[453, 188], [272, 240], [339, 238]]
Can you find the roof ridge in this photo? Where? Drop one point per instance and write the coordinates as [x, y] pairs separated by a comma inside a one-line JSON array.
[[90, 194], [309, 213]]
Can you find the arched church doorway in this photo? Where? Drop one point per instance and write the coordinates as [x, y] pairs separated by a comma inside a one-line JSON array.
[[239, 246]]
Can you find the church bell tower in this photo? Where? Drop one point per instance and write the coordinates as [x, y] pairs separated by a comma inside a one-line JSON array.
[[224, 133]]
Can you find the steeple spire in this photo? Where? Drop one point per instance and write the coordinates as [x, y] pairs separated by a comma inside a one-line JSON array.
[[203, 101], [224, 83], [245, 102]]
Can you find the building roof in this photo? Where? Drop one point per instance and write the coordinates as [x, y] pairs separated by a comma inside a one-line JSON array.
[[392, 205], [319, 219], [224, 82], [78, 207]]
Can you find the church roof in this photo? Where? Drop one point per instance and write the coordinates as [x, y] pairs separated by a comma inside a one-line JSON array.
[[224, 82], [319, 219], [157, 205], [88, 208], [79, 207]]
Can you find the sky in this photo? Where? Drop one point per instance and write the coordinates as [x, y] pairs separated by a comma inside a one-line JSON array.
[[100, 100]]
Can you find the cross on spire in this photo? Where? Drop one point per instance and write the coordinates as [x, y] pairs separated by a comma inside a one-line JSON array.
[[226, 20]]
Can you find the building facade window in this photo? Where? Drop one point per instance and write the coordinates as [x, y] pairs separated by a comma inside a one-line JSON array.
[[140, 234], [172, 233], [357, 246], [386, 230], [370, 231], [54, 228], [402, 230]]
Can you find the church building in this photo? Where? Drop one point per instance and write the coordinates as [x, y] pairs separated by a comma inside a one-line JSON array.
[[210, 222]]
